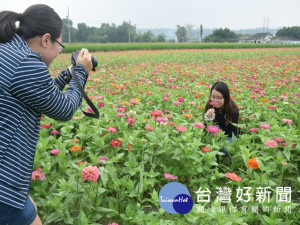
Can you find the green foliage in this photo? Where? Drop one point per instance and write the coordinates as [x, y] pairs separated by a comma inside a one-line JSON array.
[[163, 46], [293, 32], [132, 176], [221, 35]]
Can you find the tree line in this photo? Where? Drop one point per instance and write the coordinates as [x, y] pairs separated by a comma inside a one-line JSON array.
[[111, 33], [107, 33]]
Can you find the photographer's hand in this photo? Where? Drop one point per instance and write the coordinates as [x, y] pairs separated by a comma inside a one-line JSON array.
[[84, 58]]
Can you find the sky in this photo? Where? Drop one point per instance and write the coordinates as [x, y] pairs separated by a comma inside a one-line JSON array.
[[150, 14]]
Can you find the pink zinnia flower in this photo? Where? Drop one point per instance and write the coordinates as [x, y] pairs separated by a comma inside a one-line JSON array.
[[254, 129], [112, 129], [271, 144], [169, 176], [213, 129], [165, 99], [287, 121], [134, 101], [198, 125], [101, 104], [113, 223], [181, 128], [116, 143], [265, 126], [54, 151], [214, 103], [121, 114], [233, 176], [192, 103], [121, 109], [149, 127], [130, 120], [156, 113], [89, 110], [38, 175], [279, 140], [54, 132], [102, 159], [91, 173], [176, 103], [161, 119], [45, 126], [180, 99]]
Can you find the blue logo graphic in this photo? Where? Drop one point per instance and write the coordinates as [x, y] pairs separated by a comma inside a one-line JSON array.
[[175, 198]]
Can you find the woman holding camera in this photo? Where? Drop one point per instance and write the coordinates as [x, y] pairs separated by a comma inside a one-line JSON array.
[[29, 42]]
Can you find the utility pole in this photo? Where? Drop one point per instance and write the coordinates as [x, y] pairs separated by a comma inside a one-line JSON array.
[[267, 24], [69, 26], [129, 32]]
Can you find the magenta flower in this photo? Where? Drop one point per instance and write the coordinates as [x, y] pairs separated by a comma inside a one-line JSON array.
[[121, 114], [54, 151], [180, 99], [89, 110], [169, 176], [102, 159], [198, 125], [116, 143], [38, 175], [213, 129], [54, 132], [101, 104], [91, 173], [112, 129], [161, 119], [113, 223]]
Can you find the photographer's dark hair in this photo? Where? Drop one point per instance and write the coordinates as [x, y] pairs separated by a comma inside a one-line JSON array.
[[229, 104], [34, 21]]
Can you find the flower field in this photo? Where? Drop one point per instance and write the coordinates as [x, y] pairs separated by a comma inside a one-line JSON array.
[[151, 131]]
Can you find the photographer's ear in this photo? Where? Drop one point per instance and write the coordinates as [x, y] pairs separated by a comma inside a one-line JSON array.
[[45, 40]]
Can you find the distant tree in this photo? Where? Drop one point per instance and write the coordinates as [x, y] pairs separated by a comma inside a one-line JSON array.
[[161, 38], [82, 34], [190, 36], [221, 35], [181, 34], [293, 32]]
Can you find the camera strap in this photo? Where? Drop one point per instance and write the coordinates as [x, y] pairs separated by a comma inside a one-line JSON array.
[[88, 101]]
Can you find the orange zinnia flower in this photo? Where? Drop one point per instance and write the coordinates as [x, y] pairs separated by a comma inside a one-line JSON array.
[[75, 148], [252, 163], [188, 116]]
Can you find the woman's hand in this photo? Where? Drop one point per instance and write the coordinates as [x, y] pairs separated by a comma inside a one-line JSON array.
[[209, 114], [85, 58]]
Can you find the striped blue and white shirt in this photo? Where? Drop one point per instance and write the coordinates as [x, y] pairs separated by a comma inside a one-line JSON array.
[[26, 91]]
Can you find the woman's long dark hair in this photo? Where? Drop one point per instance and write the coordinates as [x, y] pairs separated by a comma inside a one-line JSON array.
[[34, 21], [229, 104]]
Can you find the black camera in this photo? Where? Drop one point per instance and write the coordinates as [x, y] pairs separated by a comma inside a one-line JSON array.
[[75, 55]]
